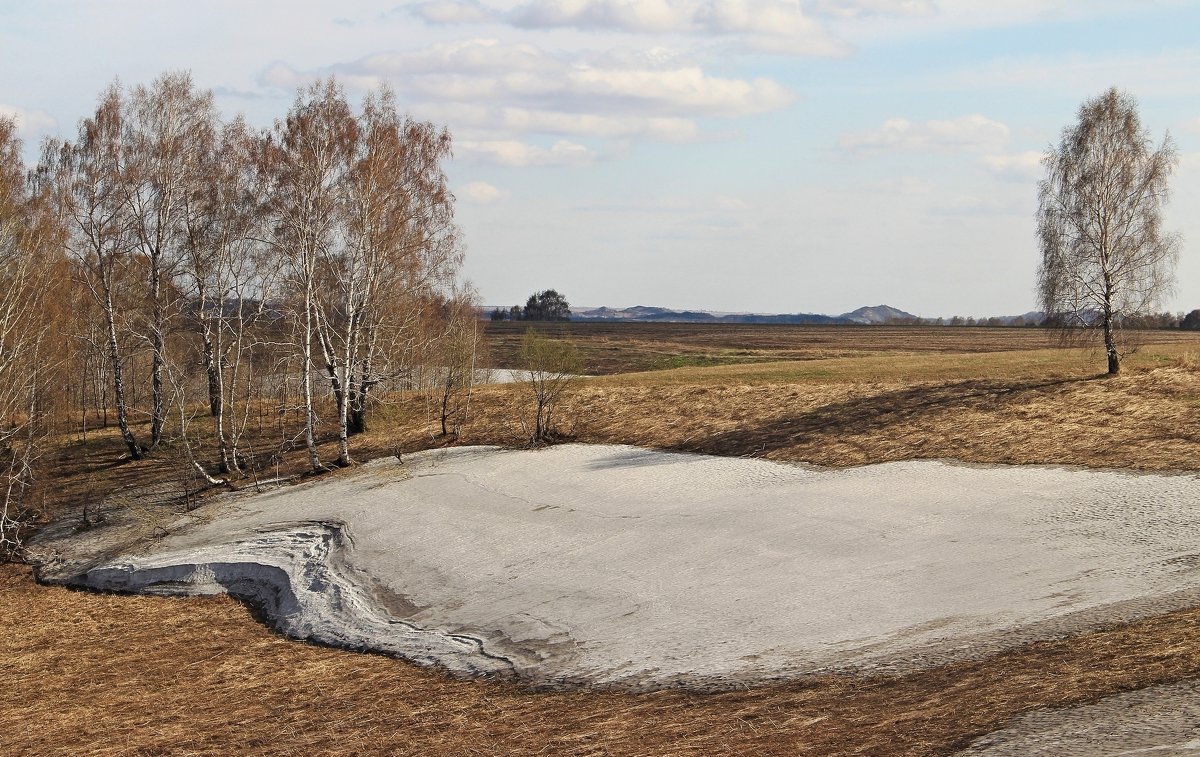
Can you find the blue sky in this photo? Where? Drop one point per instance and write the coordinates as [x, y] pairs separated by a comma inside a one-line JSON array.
[[768, 155]]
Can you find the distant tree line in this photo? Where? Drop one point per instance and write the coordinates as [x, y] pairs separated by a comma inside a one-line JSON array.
[[1164, 320], [547, 305]]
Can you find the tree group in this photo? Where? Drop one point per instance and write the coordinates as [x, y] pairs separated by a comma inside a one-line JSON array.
[[547, 305], [175, 260]]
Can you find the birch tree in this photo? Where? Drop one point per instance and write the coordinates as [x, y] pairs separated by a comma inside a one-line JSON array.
[[86, 179], [1105, 255], [364, 221], [228, 276], [401, 245], [309, 158], [167, 129], [457, 354], [29, 278], [551, 366]]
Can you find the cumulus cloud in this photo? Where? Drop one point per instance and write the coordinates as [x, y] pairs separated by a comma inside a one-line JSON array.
[[864, 8], [30, 123], [650, 86], [452, 12], [517, 154], [482, 193], [775, 26], [594, 125], [681, 90], [973, 132], [1021, 166], [504, 97]]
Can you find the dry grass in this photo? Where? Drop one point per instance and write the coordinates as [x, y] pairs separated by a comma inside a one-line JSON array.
[[97, 674], [609, 348], [113, 675], [1027, 407]]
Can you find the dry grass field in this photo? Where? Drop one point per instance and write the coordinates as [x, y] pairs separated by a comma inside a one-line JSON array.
[[623, 347], [94, 674], [115, 675]]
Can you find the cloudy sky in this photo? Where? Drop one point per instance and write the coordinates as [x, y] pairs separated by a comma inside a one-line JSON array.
[[766, 155]]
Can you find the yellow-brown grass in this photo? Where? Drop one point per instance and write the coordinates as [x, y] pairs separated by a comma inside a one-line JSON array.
[[621, 347], [86, 673], [1039, 406], [114, 675]]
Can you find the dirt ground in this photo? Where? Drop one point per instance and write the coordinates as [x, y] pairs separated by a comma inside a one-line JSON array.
[[98, 674]]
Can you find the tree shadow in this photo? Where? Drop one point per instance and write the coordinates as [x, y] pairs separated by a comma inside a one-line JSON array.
[[632, 458], [877, 413]]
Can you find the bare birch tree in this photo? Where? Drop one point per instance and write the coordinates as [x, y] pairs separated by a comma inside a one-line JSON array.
[[551, 367], [1105, 256], [364, 220], [310, 156], [166, 131], [29, 243], [228, 275], [199, 241], [400, 247], [87, 188], [456, 355]]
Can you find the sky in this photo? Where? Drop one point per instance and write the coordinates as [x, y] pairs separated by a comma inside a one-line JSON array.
[[728, 155]]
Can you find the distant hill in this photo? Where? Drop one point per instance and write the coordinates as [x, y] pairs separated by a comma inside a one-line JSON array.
[[645, 313], [871, 315], [879, 314]]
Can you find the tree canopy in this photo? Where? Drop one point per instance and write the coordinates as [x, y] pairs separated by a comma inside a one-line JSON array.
[[547, 305]]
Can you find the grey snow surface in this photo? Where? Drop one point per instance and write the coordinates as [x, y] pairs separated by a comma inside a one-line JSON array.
[[623, 567]]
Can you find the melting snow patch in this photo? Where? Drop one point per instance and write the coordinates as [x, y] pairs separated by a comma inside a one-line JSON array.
[[619, 566]]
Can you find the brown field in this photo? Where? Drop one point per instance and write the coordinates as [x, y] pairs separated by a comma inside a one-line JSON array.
[[622, 347], [86, 673]]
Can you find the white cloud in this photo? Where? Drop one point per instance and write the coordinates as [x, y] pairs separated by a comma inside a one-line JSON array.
[[906, 186], [682, 90], [650, 94], [482, 193], [863, 8], [513, 153], [865, 22], [654, 16], [1021, 166], [451, 12], [777, 26], [498, 98], [30, 123], [1165, 73], [973, 132], [1189, 160], [590, 124]]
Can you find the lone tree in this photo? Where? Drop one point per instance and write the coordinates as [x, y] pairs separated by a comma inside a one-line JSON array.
[[546, 306], [1105, 256], [551, 365]]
